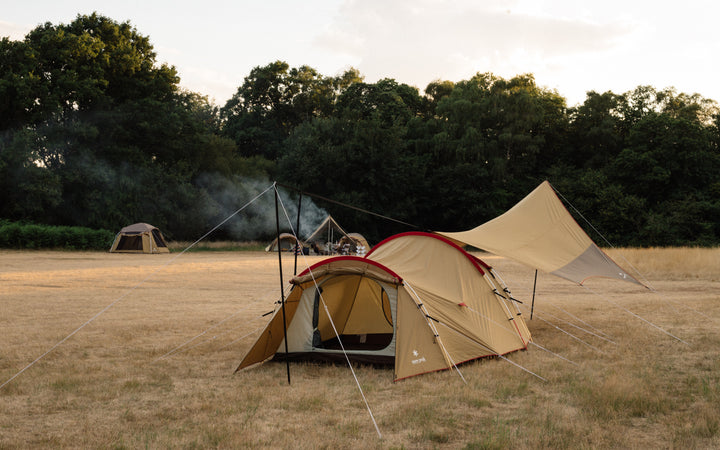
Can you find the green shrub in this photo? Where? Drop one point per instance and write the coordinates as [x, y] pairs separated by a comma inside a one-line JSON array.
[[34, 236]]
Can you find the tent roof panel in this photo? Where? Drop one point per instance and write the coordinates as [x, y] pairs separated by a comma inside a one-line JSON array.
[[540, 232], [137, 228], [350, 265], [329, 222]]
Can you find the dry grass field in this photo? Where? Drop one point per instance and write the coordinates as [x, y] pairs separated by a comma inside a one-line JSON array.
[[156, 368]]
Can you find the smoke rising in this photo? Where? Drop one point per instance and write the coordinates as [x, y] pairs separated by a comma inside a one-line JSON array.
[[257, 220]]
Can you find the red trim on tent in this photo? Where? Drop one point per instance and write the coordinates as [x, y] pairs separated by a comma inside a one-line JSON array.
[[351, 258], [477, 262], [484, 264]]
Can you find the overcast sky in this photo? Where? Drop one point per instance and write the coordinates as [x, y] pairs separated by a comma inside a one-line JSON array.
[[571, 46]]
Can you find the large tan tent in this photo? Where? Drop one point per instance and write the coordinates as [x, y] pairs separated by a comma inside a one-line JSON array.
[[473, 312], [418, 301], [139, 238], [539, 232]]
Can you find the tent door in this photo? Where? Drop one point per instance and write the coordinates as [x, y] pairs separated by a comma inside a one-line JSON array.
[[361, 314], [130, 243]]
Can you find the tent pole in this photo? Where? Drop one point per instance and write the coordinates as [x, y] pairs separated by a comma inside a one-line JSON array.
[[297, 235], [282, 294], [532, 307]]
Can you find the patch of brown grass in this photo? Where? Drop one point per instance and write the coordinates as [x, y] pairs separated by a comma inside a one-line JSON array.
[[105, 386], [178, 246], [676, 263]]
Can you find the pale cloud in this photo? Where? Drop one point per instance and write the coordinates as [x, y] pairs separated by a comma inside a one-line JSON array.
[[569, 45], [421, 40], [13, 31], [207, 81]]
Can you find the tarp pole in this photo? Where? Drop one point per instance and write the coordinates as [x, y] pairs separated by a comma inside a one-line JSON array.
[[282, 293], [297, 235], [532, 307]]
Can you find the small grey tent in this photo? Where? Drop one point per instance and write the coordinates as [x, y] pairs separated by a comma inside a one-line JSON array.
[[353, 244], [139, 238], [287, 243]]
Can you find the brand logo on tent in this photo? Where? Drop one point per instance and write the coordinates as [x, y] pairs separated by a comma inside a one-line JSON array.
[[417, 360]]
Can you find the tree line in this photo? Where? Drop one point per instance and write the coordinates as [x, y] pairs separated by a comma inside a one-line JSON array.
[[95, 132]]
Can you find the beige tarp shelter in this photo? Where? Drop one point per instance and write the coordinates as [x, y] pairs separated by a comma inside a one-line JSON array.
[[326, 236], [417, 301], [286, 241], [139, 238], [539, 232]]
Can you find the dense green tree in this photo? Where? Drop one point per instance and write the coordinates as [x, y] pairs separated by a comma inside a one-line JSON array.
[[387, 101], [652, 150], [20, 86], [273, 100], [94, 62], [27, 188], [436, 91], [499, 131], [669, 162], [360, 156], [595, 131], [95, 132], [665, 156]]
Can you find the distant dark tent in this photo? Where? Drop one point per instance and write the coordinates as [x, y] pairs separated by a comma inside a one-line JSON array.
[[139, 238]]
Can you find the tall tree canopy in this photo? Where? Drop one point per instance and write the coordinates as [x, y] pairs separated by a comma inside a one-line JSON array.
[[95, 132], [275, 99]]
